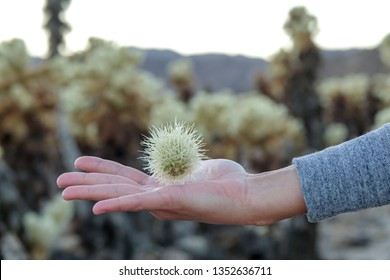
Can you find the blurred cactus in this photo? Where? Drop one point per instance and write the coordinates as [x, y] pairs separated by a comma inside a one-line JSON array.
[[167, 109], [234, 124], [384, 50], [27, 107], [346, 100], [335, 134], [212, 113], [55, 24], [14, 60], [107, 85], [381, 89], [109, 100], [181, 75], [301, 26], [27, 135], [280, 71], [261, 121], [358, 101], [382, 117], [292, 82], [294, 73], [44, 230], [270, 134]]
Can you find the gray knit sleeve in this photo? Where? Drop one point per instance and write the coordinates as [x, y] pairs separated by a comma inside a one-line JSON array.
[[347, 177]]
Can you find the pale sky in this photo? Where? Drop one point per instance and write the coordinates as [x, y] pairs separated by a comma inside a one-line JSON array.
[[247, 27]]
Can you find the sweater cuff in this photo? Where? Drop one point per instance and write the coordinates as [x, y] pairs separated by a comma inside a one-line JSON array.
[[348, 177]]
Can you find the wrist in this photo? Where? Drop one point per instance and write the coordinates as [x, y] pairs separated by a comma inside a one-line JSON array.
[[275, 195]]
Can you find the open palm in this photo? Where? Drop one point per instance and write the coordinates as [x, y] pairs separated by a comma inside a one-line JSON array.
[[217, 193]]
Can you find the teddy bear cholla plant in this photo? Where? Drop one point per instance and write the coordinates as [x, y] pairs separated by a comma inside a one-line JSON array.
[[108, 91], [173, 152], [27, 107], [212, 113]]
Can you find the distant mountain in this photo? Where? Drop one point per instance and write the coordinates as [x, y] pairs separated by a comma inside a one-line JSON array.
[[342, 62], [212, 71], [219, 71]]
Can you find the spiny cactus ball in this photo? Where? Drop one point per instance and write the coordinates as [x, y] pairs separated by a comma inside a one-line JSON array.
[[173, 152]]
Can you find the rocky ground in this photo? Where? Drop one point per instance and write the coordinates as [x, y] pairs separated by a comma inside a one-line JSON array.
[[359, 235]]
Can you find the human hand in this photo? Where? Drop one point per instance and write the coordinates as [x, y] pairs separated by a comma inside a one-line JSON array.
[[220, 192]]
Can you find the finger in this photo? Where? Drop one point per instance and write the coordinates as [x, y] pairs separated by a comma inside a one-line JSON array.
[[99, 165], [99, 192], [81, 178], [149, 201]]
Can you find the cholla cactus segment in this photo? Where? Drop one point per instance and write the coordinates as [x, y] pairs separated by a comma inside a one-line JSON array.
[[300, 21], [353, 87], [105, 81], [13, 58], [181, 71], [173, 153], [280, 64], [301, 26], [22, 98], [382, 117], [335, 133], [258, 118], [213, 112], [27, 104], [381, 88], [167, 109], [44, 229], [384, 50]]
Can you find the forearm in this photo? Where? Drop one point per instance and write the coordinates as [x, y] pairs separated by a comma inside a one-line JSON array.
[[276, 195], [348, 177]]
